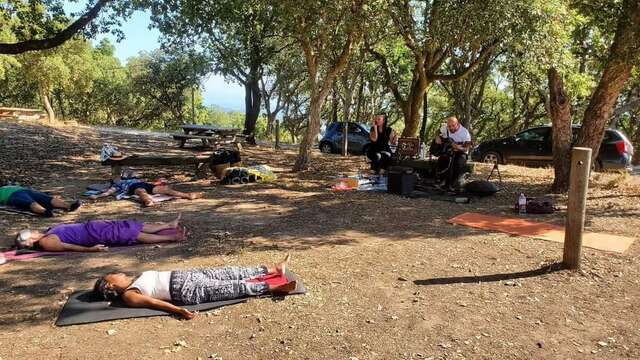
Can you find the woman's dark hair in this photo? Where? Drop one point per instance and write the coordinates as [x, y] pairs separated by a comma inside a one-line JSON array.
[[385, 124], [101, 290]]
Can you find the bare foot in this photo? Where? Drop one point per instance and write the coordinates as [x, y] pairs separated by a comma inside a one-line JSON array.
[[149, 203], [281, 268], [181, 234], [282, 290], [193, 196], [176, 222]]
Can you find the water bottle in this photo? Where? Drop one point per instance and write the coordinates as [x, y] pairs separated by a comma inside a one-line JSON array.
[[522, 204]]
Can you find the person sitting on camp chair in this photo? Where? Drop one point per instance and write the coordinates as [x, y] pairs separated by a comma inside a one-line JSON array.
[[455, 142], [98, 235], [160, 289], [130, 187], [382, 136], [35, 201]]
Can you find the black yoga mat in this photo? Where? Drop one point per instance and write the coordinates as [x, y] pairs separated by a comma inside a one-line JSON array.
[[83, 307]]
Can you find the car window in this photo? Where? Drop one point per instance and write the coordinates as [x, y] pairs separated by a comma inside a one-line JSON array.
[[610, 135], [354, 128], [534, 134]]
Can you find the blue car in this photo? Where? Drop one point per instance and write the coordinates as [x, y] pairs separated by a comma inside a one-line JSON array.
[[358, 139], [534, 147]]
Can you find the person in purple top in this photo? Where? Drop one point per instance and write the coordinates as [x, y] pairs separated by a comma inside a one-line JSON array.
[[98, 235]]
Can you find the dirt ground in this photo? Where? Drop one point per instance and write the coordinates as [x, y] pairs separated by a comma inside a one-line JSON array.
[[387, 277]]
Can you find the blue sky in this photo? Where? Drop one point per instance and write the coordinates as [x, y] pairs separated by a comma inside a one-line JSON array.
[[138, 37]]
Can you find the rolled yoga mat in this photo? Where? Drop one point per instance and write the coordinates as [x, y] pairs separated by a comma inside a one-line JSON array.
[[83, 307]]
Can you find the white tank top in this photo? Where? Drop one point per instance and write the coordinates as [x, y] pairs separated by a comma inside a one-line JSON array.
[[154, 284]]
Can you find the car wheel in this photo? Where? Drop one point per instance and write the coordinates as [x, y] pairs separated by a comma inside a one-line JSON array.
[[491, 157], [326, 148]]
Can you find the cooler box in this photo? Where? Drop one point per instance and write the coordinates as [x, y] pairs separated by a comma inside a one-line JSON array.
[[401, 180]]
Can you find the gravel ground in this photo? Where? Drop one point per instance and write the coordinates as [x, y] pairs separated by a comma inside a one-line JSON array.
[[388, 278]]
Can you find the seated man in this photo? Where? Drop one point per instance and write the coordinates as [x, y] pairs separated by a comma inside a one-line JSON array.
[[452, 162], [34, 201], [382, 136]]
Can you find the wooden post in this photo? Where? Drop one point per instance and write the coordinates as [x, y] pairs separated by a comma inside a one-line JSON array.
[[579, 183]]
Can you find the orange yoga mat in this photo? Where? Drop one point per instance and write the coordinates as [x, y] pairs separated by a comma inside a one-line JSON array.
[[538, 230]]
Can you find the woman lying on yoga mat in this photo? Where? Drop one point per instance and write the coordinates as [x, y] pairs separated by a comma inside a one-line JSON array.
[[143, 190], [98, 235], [154, 289], [34, 201]]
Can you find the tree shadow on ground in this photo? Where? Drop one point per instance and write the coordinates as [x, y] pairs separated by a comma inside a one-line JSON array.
[[547, 269]]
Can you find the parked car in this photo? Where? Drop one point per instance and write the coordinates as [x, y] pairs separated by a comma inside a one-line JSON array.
[[357, 138], [534, 147]]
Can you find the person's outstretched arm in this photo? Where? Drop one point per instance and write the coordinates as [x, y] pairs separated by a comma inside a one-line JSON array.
[[109, 191], [53, 243], [134, 299]]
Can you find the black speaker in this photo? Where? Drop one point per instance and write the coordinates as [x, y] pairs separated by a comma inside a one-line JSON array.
[[401, 180]]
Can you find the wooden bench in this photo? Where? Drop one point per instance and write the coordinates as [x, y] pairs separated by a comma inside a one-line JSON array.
[[142, 160]]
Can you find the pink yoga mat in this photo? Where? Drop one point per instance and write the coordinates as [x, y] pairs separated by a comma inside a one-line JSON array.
[[12, 256]]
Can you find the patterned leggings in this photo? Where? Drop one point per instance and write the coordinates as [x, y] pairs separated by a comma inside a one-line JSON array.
[[214, 284]]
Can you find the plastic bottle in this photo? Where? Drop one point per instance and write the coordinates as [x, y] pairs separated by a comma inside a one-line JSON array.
[[522, 204]]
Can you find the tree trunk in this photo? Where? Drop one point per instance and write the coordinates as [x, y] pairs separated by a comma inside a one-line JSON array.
[[277, 129], [313, 128], [61, 105], [334, 105], [425, 116], [359, 105], [252, 100], [623, 52], [561, 125], [44, 94]]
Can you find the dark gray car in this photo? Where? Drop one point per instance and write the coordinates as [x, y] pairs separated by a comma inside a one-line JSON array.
[[357, 138], [534, 147]]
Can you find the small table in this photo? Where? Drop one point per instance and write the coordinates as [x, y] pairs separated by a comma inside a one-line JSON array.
[[209, 135]]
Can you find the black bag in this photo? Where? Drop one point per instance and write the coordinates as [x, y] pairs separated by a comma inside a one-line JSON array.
[[481, 187], [224, 156], [401, 180]]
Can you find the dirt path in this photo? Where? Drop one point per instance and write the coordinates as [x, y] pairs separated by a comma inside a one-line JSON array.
[[387, 277]]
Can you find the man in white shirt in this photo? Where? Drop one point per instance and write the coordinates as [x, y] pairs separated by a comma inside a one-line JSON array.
[[452, 162]]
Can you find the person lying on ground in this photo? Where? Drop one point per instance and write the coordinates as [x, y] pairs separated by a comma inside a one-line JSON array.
[[98, 235], [158, 289], [35, 201], [143, 190]]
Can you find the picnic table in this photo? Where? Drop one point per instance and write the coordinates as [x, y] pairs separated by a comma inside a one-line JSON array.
[[212, 136]]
